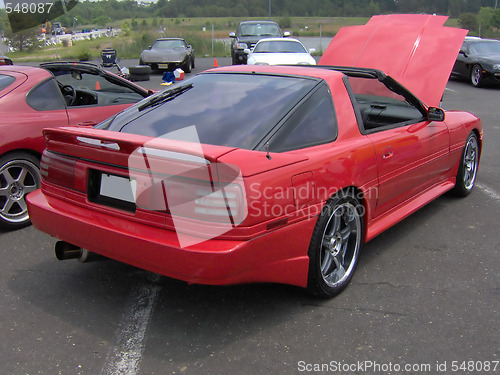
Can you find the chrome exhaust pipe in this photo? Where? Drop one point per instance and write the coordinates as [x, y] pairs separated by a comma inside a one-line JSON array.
[[65, 250]]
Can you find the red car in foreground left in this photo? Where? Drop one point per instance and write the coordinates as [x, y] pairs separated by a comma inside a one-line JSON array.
[[266, 173], [54, 94]]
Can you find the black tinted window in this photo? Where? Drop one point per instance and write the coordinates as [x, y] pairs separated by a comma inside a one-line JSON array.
[[313, 123], [46, 97], [5, 81], [226, 109]]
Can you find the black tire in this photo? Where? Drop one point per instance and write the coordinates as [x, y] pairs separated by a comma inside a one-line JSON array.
[[140, 69], [468, 166], [192, 62], [476, 76], [187, 66], [139, 77], [19, 175], [335, 245]]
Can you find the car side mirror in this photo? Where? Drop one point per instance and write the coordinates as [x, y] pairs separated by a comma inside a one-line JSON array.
[[232, 35], [462, 52], [286, 33], [246, 50], [435, 114]]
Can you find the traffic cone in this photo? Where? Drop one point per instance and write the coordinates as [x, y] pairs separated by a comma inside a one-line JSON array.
[[215, 63], [97, 86]]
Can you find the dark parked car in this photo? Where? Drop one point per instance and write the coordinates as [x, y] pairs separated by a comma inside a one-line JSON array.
[[478, 61], [248, 34], [169, 54]]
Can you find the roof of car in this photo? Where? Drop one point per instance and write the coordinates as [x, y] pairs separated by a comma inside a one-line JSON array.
[[273, 22], [170, 38], [279, 40], [23, 69], [290, 70]]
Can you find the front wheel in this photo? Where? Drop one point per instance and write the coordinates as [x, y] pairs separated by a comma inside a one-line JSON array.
[[467, 168], [476, 76], [19, 175], [335, 246]]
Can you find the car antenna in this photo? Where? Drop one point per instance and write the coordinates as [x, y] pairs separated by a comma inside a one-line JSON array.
[[267, 151]]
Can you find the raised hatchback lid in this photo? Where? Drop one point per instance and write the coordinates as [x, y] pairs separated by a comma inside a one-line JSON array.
[[415, 49]]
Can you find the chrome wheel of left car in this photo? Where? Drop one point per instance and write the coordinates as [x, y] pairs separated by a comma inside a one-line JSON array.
[[19, 175]]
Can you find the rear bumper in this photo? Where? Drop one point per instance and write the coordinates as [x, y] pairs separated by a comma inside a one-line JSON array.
[[279, 256]]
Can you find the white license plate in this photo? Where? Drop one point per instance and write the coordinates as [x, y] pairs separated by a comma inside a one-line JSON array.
[[163, 66], [120, 188]]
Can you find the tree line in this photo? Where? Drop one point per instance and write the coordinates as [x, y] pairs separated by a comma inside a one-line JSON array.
[[104, 12]]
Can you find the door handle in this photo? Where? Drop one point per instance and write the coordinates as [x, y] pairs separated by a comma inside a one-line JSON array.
[[387, 152], [387, 155]]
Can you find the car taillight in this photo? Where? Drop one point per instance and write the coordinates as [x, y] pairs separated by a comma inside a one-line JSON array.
[[58, 169], [190, 198], [223, 203]]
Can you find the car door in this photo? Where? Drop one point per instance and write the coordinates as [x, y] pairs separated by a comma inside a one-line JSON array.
[[410, 159]]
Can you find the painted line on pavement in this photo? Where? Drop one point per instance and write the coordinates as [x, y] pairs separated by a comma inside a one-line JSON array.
[[126, 355]]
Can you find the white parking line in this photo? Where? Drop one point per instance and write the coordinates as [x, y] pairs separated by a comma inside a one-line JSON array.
[[489, 191], [125, 356]]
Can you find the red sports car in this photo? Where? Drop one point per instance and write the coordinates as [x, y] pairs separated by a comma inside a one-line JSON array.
[[4, 60], [33, 98], [267, 173]]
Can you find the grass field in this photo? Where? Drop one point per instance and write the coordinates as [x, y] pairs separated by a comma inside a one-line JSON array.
[[138, 34]]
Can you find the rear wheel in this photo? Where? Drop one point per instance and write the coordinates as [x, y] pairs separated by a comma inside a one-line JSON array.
[[335, 246], [476, 76], [19, 175], [467, 169]]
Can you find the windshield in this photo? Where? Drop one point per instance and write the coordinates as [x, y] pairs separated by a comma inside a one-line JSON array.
[[485, 48], [279, 46], [235, 110], [171, 44], [258, 29]]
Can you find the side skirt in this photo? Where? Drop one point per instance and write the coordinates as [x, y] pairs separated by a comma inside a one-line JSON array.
[[405, 209]]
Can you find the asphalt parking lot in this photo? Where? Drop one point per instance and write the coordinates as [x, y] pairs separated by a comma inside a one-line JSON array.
[[424, 300]]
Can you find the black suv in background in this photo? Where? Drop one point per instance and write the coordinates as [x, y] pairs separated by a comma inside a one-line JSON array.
[[249, 33]]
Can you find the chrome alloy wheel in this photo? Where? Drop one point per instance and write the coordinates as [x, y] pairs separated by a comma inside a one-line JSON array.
[[470, 162], [340, 244], [18, 177], [476, 76]]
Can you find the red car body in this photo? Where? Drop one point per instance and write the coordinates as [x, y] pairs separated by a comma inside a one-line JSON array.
[[28, 106], [297, 216]]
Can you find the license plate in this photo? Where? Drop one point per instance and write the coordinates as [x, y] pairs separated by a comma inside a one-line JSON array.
[[116, 187], [163, 66]]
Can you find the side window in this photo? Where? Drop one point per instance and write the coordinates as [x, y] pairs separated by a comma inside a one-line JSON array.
[[46, 97], [5, 81], [313, 123]]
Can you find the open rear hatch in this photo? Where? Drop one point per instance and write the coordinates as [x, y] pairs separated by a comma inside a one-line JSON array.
[[415, 49]]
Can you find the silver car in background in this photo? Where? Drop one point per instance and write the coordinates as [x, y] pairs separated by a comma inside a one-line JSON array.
[[280, 51]]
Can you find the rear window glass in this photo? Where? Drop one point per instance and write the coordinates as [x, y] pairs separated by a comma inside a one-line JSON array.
[[235, 110], [5, 81]]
